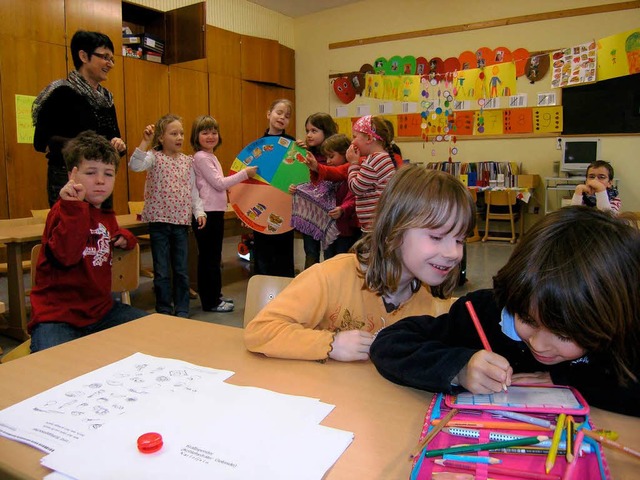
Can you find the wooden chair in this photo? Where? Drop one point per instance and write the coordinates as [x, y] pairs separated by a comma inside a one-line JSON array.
[[143, 240], [40, 213], [124, 279], [261, 289], [501, 206]]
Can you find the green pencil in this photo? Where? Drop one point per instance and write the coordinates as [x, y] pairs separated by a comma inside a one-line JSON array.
[[487, 446]]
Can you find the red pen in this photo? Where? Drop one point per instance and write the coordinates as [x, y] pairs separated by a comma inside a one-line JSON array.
[[481, 334]]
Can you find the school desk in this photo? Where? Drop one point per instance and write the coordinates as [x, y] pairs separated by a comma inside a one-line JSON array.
[[385, 418], [18, 235]]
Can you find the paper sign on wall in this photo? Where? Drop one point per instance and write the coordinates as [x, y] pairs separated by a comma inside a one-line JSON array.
[[547, 119], [24, 123]]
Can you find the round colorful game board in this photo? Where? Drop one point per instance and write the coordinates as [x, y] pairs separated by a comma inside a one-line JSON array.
[[263, 202]]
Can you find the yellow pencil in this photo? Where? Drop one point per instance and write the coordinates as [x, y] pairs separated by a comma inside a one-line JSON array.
[[433, 432], [571, 427], [553, 451]]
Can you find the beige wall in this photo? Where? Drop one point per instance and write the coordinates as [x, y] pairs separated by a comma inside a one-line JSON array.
[[369, 18]]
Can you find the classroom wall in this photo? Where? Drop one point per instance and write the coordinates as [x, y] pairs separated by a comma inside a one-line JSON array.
[[370, 18]]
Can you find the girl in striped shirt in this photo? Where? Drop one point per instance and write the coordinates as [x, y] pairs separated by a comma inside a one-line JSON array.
[[371, 139]]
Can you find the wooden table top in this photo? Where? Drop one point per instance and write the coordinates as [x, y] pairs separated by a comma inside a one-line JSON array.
[[385, 418]]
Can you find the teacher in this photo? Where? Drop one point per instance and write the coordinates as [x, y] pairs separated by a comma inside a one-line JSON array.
[[69, 106]]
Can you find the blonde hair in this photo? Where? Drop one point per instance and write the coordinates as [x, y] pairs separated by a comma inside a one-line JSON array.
[[286, 102], [414, 198], [160, 127]]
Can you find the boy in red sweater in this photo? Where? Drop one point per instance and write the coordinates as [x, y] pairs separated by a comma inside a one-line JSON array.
[[72, 293]]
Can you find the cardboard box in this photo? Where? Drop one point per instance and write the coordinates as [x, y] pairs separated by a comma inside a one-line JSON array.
[[528, 181], [152, 57]]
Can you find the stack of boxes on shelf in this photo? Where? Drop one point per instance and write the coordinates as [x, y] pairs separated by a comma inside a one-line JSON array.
[[142, 45]]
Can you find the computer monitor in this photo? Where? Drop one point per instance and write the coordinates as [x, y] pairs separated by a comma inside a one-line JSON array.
[[578, 153]]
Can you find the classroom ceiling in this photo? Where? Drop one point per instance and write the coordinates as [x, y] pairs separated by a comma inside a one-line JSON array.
[[299, 8]]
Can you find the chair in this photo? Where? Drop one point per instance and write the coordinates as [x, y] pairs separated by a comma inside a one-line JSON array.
[[261, 289], [476, 236], [500, 206], [40, 213], [16, 222], [124, 278], [143, 240]]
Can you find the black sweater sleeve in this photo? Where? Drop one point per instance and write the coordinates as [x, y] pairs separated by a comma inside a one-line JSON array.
[[427, 353]]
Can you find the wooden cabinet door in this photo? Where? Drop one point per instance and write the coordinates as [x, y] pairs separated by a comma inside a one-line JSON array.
[[188, 98], [260, 59], [146, 87], [186, 33], [287, 67], [104, 16], [225, 105], [25, 73], [223, 52], [34, 20]]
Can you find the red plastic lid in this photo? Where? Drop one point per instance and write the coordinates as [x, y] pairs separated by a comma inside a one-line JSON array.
[[150, 442]]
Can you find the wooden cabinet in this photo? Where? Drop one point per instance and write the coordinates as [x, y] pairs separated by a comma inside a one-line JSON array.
[[188, 98], [260, 59], [94, 15], [34, 20], [256, 100], [223, 52], [146, 86], [225, 105], [25, 73], [182, 30], [287, 77]]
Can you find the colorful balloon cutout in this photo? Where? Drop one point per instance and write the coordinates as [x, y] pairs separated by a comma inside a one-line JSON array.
[[380, 66], [467, 60], [484, 57], [344, 89], [394, 66], [422, 66], [263, 202], [520, 57], [357, 81], [451, 64], [502, 55], [436, 67], [537, 67]]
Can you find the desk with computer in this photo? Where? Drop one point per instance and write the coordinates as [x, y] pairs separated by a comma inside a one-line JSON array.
[[577, 154]]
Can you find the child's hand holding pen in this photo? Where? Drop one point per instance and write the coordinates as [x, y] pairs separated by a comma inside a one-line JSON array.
[[72, 190], [486, 372]]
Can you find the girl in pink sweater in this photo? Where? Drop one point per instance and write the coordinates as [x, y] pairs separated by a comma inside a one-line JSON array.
[[212, 187]]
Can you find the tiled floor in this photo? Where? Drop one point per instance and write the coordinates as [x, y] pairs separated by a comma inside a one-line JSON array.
[[484, 260]]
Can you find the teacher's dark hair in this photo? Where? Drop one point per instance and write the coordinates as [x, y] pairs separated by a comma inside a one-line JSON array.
[[576, 272], [87, 42]]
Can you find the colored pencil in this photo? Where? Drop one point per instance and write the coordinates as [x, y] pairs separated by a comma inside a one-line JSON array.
[[486, 446], [497, 470], [553, 451], [523, 418], [472, 459], [433, 432], [481, 334], [610, 443], [570, 430], [499, 436], [530, 450], [571, 467], [492, 425]]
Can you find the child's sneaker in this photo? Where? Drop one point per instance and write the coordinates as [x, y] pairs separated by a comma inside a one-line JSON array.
[[223, 307]]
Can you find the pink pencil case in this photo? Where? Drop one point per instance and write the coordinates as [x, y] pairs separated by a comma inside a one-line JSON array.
[[589, 466]]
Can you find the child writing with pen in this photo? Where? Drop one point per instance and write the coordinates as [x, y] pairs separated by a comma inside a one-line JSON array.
[[565, 309]]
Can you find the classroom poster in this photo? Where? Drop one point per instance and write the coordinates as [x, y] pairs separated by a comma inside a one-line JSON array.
[[488, 122], [547, 119], [500, 80], [618, 55], [24, 122], [517, 120], [344, 125], [574, 65]]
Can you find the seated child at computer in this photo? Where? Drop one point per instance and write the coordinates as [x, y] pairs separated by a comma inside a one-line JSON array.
[[72, 293], [598, 190], [565, 309]]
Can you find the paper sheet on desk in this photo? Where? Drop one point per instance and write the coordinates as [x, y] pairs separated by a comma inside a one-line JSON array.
[[244, 433], [65, 413]]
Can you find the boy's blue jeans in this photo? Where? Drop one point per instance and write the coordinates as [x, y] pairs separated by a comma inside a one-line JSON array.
[[170, 250], [50, 334]]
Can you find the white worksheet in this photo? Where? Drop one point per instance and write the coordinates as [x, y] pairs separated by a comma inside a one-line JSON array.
[[69, 411], [239, 433]]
